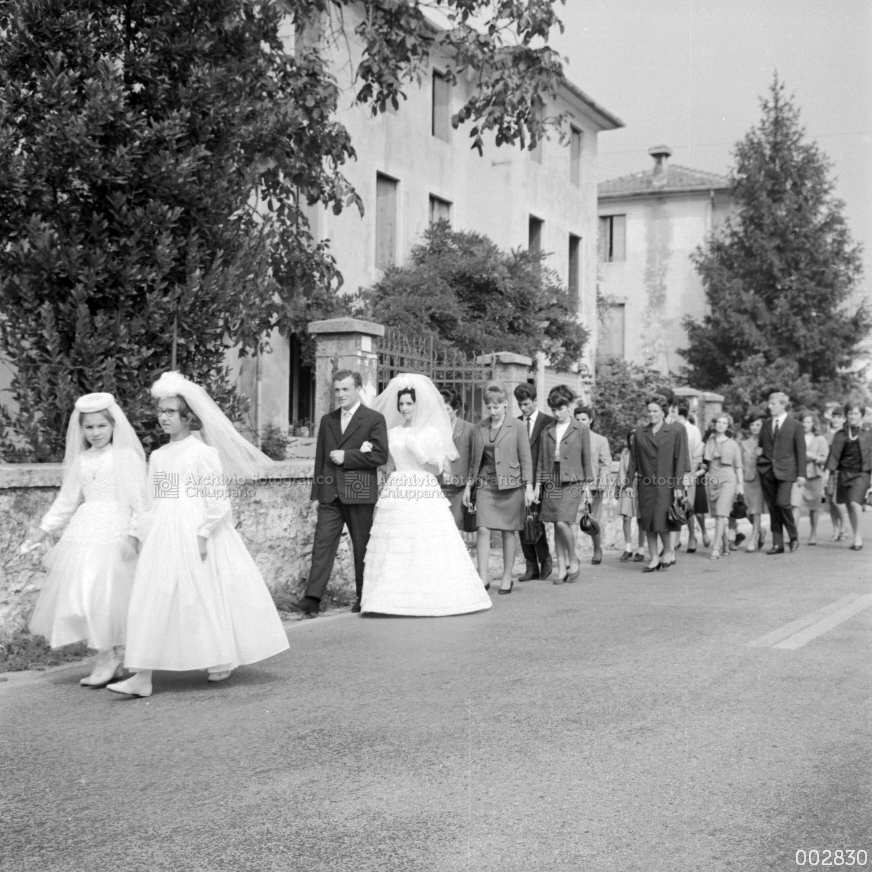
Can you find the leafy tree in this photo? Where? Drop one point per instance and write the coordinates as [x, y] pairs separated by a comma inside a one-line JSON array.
[[154, 160], [461, 288], [620, 391], [779, 274]]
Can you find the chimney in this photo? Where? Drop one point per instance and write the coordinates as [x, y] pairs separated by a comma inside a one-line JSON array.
[[661, 155]]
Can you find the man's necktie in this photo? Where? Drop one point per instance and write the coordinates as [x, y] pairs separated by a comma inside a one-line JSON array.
[[529, 430], [774, 428]]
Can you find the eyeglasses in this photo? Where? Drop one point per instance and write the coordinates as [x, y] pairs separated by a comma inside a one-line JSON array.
[[165, 413]]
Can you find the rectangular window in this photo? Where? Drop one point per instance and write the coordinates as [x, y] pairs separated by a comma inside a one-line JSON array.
[[534, 235], [574, 276], [440, 210], [612, 238], [575, 141], [441, 115], [385, 221], [611, 342]]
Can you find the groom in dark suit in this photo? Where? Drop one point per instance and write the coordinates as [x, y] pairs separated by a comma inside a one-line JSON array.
[[352, 444], [780, 464], [536, 556]]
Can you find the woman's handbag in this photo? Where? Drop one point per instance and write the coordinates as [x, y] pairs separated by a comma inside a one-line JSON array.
[[676, 515], [470, 525], [533, 527], [740, 509], [587, 523]]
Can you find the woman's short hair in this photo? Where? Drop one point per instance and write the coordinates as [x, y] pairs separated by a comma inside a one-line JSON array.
[[815, 420], [450, 396], [856, 404], [583, 410], [660, 400], [560, 395], [752, 416], [410, 391], [728, 418], [495, 391]]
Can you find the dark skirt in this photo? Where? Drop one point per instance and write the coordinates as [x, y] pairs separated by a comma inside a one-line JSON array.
[[500, 509], [852, 487], [560, 500]]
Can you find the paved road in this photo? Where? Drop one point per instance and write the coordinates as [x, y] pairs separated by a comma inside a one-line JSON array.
[[713, 717]]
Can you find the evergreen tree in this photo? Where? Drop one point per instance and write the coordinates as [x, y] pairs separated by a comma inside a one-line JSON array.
[[154, 160], [780, 272]]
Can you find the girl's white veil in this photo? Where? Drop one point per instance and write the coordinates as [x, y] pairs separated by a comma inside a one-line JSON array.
[[129, 482], [429, 411], [239, 458]]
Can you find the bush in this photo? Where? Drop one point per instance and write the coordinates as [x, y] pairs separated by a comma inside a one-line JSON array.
[[21, 651]]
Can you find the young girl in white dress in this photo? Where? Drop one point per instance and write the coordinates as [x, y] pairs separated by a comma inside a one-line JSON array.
[[199, 600], [90, 571], [416, 560]]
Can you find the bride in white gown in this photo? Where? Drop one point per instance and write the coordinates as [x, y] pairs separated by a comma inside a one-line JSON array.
[[416, 560]]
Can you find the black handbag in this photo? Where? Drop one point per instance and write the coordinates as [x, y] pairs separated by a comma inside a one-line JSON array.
[[676, 515], [533, 527], [470, 524], [587, 523], [740, 508]]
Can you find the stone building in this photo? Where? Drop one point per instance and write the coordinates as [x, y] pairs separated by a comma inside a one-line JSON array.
[[412, 169], [649, 224]]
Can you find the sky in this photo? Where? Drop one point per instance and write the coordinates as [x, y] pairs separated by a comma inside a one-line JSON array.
[[690, 73]]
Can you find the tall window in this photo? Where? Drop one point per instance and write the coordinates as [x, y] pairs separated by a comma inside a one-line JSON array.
[[612, 238], [575, 142], [385, 221], [440, 210], [534, 235], [441, 115], [574, 277], [611, 340]]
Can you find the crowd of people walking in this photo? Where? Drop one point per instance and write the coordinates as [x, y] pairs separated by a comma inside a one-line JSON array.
[[155, 576]]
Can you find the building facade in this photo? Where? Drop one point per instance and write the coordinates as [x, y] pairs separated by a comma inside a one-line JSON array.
[[412, 169], [650, 223]]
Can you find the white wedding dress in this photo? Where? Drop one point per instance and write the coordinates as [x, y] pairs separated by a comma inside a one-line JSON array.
[[416, 560]]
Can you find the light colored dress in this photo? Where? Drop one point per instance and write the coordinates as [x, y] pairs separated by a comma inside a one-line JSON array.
[[723, 475], [185, 612], [416, 561], [87, 590]]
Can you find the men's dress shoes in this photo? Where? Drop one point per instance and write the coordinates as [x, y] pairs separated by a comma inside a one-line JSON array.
[[547, 566], [356, 607], [794, 544], [308, 605], [775, 549], [530, 575]]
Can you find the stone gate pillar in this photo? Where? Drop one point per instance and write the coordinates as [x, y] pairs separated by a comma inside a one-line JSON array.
[[343, 343], [511, 369]]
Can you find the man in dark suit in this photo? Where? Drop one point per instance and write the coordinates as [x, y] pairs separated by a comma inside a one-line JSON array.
[[537, 556], [352, 444], [453, 480], [780, 464]]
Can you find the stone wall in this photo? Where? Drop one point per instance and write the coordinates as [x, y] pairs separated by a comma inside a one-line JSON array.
[[276, 520]]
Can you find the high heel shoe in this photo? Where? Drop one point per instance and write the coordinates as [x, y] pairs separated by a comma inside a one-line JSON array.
[[653, 568], [487, 586], [715, 555], [107, 668], [508, 589], [138, 684]]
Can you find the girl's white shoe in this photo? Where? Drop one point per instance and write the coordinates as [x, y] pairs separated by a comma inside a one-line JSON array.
[[139, 684], [107, 668], [220, 676]]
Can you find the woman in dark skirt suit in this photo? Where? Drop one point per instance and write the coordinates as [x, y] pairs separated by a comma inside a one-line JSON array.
[[502, 470], [659, 462], [564, 477], [851, 458]]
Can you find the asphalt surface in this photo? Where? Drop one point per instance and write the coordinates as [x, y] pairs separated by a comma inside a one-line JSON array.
[[712, 717]]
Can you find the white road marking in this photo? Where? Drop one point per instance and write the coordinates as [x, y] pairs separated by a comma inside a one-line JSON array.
[[815, 630], [801, 623]]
